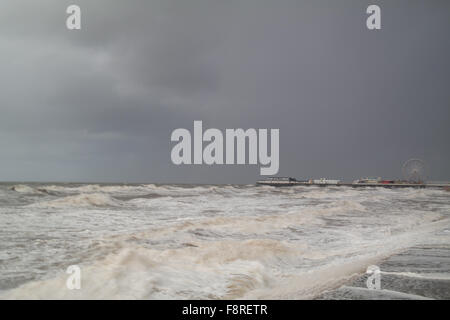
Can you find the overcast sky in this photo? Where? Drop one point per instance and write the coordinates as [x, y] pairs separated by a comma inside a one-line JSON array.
[[99, 104]]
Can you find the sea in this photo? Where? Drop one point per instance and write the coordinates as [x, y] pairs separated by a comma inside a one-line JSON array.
[[168, 241]]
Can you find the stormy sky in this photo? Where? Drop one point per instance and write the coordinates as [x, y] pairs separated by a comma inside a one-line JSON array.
[[99, 104]]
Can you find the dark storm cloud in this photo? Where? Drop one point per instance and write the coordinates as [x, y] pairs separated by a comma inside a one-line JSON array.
[[99, 104]]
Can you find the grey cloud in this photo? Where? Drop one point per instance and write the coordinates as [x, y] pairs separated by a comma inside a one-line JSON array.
[[99, 104]]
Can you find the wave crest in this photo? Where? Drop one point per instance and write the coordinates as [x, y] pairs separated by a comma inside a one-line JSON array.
[[80, 200]]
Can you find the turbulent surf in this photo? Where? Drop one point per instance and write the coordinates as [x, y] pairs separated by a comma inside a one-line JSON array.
[[152, 241]]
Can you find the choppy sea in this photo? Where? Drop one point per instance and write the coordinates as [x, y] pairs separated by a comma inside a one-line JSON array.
[[149, 241]]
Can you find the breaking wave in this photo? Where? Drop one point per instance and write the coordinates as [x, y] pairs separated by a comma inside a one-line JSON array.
[[203, 271], [80, 200], [26, 189], [209, 242]]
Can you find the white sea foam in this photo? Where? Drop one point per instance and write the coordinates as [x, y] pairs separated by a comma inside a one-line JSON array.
[[80, 200], [249, 269], [216, 270], [383, 294], [150, 241], [95, 188], [427, 276]]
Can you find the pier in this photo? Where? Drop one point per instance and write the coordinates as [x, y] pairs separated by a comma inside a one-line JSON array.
[[289, 182]]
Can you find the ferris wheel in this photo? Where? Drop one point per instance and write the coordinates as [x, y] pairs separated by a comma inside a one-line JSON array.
[[414, 170]]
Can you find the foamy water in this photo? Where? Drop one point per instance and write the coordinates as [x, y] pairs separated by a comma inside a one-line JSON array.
[[206, 242]]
